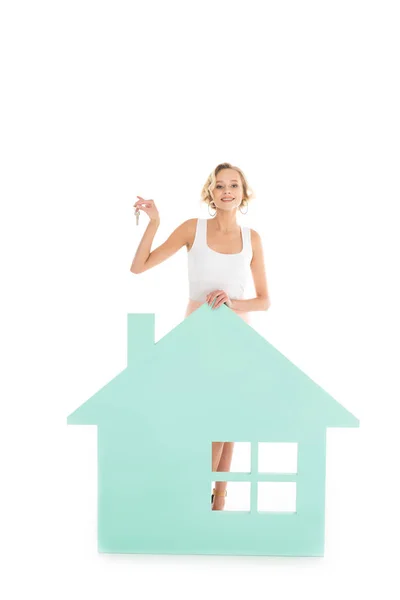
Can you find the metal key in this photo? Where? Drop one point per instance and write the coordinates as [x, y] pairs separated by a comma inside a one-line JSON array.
[[137, 213]]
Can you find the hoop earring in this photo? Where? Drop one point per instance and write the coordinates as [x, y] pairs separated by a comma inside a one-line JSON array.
[[212, 215], [245, 203]]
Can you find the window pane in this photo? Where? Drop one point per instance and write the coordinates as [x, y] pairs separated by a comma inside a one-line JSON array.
[[276, 496], [277, 457], [234, 457]]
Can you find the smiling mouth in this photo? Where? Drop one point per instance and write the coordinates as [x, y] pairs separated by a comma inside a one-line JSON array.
[[227, 199]]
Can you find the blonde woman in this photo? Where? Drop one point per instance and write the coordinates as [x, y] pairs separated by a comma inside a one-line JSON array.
[[221, 256]]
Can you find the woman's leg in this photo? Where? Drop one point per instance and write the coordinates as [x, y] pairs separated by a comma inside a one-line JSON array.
[[217, 448], [223, 465]]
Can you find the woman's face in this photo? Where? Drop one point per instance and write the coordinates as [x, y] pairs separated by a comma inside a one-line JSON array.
[[228, 191]]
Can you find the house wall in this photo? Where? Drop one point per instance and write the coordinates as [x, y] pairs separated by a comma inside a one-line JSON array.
[[148, 487], [154, 493]]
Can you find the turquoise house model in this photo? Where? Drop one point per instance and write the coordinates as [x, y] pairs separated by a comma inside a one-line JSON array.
[[212, 378]]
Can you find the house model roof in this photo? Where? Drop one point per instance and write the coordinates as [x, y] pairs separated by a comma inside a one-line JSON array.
[[214, 372]]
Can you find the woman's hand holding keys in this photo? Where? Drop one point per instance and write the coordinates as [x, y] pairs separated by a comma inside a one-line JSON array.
[[147, 206]]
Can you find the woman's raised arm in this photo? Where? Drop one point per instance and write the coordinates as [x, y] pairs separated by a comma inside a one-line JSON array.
[[145, 259]]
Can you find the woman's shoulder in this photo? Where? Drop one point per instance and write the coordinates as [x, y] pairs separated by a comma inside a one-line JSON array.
[[191, 222], [255, 238], [189, 227], [254, 234]]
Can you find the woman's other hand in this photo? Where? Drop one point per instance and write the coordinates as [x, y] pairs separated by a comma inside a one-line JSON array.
[[149, 207], [221, 298]]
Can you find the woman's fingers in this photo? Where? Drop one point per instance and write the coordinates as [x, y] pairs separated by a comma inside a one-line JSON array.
[[220, 302], [220, 297], [148, 207], [143, 205], [210, 297], [213, 295], [143, 202]]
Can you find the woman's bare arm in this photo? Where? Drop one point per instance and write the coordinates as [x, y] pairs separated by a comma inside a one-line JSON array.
[[145, 259], [262, 300]]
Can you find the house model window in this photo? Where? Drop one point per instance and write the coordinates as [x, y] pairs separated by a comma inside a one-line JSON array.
[[262, 478]]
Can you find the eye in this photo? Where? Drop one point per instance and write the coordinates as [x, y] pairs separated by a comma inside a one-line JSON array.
[[235, 185]]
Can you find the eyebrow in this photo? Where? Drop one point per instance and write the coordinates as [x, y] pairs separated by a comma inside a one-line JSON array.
[[220, 180]]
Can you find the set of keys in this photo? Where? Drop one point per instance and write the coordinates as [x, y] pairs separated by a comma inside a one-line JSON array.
[[137, 213]]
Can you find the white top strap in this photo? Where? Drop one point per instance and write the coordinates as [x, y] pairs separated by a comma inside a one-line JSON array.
[[247, 240]]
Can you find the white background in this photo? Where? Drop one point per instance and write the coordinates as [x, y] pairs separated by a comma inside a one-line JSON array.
[[104, 101]]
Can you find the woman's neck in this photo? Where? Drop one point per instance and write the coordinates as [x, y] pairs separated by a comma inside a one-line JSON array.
[[225, 221]]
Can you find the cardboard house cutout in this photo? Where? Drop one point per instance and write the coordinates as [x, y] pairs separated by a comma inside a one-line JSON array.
[[212, 378]]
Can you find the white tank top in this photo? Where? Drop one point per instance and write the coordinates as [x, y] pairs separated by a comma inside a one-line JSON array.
[[209, 270]]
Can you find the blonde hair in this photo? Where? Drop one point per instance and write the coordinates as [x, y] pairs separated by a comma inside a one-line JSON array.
[[209, 185]]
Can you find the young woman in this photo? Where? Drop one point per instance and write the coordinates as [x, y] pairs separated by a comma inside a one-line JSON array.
[[221, 256]]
